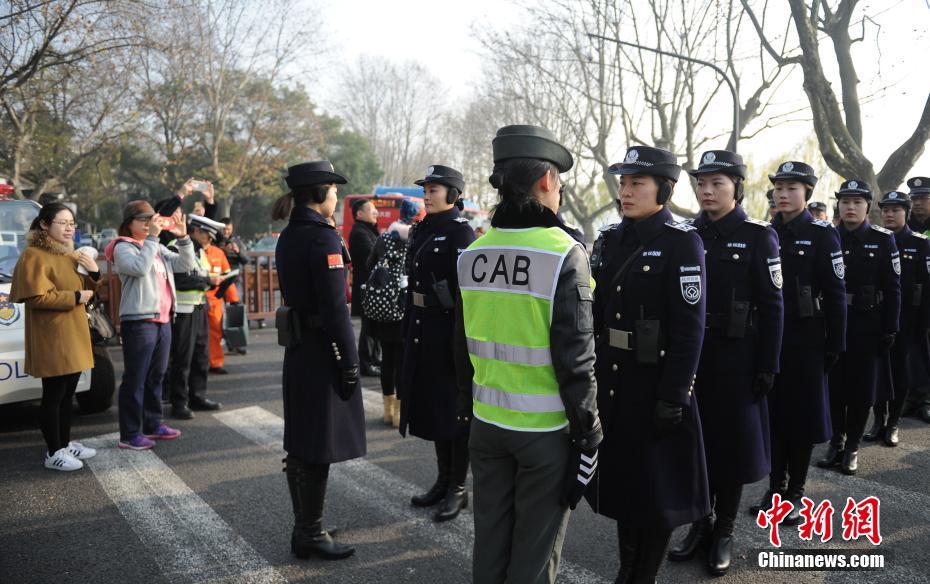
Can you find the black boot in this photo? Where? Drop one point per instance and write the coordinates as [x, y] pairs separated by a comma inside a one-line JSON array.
[[851, 461], [697, 537], [833, 456], [877, 431], [436, 493], [456, 497], [726, 506], [891, 436], [307, 484], [653, 544], [627, 545]]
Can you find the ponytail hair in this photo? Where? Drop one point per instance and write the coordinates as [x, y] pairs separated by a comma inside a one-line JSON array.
[[298, 197]]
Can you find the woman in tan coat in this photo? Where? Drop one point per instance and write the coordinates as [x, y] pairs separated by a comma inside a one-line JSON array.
[[57, 335]]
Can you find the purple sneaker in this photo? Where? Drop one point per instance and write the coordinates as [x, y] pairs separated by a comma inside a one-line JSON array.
[[140, 442], [164, 432]]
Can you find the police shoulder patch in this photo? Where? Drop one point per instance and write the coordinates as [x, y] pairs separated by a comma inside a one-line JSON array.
[[681, 226], [462, 219], [919, 235], [758, 222], [609, 227], [881, 229], [822, 223]]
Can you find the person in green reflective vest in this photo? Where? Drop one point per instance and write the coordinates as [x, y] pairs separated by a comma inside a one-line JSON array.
[[524, 350]]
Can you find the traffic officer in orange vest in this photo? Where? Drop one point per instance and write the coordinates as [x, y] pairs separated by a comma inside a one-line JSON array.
[[219, 266]]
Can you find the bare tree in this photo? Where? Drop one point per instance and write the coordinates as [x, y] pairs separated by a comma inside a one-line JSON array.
[[838, 120]]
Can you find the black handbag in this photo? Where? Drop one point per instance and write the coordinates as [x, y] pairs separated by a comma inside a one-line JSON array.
[[101, 327]]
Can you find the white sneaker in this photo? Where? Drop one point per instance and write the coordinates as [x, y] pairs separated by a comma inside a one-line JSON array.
[[61, 460], [79, 451]]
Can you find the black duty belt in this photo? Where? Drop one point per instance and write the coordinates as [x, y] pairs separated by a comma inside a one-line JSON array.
[[620, 339], [866, 302], [425, 300]]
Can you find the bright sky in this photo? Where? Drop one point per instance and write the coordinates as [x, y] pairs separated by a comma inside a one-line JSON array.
[[438, 34]]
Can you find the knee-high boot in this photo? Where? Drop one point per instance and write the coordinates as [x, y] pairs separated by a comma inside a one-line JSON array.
[[799, 463], [456, 495], [627, 546], [307, 485], [436, 493], [651, 551], [726, 506]]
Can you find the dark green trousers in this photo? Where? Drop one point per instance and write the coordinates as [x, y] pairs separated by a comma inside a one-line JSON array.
[[519, 523]]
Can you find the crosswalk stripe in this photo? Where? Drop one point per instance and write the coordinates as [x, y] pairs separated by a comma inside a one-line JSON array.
[[368, 482], [186, 537]]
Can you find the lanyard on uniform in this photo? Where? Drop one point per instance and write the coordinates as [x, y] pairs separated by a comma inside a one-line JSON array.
[[416, 254]]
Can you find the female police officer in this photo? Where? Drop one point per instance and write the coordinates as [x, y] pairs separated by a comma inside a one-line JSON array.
[[873, 292], [649, 317], [742, 342], [427, 388], [815, 324], [324, 420]]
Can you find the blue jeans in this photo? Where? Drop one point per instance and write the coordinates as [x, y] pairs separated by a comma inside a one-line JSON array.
[[146, 346]]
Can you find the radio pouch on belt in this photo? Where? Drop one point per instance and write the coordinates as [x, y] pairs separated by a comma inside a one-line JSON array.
[[443, 295], [287, 321], [738, 319], [805, 302], [646, 333], [917, 294]]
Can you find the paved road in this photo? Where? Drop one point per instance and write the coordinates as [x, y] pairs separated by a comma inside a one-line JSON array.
[[213, 506]]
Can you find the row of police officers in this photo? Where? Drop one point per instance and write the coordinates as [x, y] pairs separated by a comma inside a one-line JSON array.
[[681, 362]]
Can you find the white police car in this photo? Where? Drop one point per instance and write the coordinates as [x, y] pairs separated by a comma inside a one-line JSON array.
[[95, 388]]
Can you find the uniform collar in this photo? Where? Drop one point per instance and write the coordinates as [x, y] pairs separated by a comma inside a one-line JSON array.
[[795, 225], [308, 215], [649, 228], [901, 235], [726, 225], [859, 232]]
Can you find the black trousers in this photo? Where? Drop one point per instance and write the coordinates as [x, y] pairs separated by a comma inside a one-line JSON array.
[[55, 411], [790, 462], [186, 379], [369, 351], [392, 356], [848, 423]]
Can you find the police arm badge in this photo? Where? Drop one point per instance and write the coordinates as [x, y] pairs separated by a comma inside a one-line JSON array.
[[690, 287], [896, 263], [775, 272], [839, 268]]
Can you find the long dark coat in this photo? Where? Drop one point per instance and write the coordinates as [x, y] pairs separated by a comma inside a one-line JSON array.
[[863, 375], [644, 481], [362, 240], [799, 406], [319, 427], [910, 355], [743, 266], [427, 388]]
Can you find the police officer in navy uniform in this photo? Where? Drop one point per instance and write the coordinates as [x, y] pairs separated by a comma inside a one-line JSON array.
[[324, 421], [814, 334], [917, 402], [862, 377], [428, 384], [742, 343], [649, 322], [818, 210], [909, 354]]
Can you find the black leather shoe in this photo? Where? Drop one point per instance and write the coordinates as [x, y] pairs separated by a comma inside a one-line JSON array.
[[794, 516], [182, 413], [218, 371], [456, 500], [697, 537], [832, 458], [875, 433], [850, 462], [891, 436], [320, 545], [924, 413], [765, 503], [206, 405], [721, 551], [371, 371], [431, 497]]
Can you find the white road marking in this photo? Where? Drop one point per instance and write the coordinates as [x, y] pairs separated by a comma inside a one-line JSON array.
[[185, 536], [368, 482]]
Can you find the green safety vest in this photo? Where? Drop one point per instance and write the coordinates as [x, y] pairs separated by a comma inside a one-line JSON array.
[[507, 280], [195, 297]]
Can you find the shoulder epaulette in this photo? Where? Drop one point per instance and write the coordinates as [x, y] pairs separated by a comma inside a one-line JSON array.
[[462, 219], [919, 235], [609, 227], [681, 226], [758, 222], [881, 230], [822, 223]]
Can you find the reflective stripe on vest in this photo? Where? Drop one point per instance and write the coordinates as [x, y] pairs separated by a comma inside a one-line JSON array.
[[507, 280], [195, 297]]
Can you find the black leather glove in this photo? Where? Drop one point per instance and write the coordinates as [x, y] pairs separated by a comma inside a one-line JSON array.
[[578, 473], [668, 416], [885, 342], [349, 383], [763, 383], [829, 360]]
